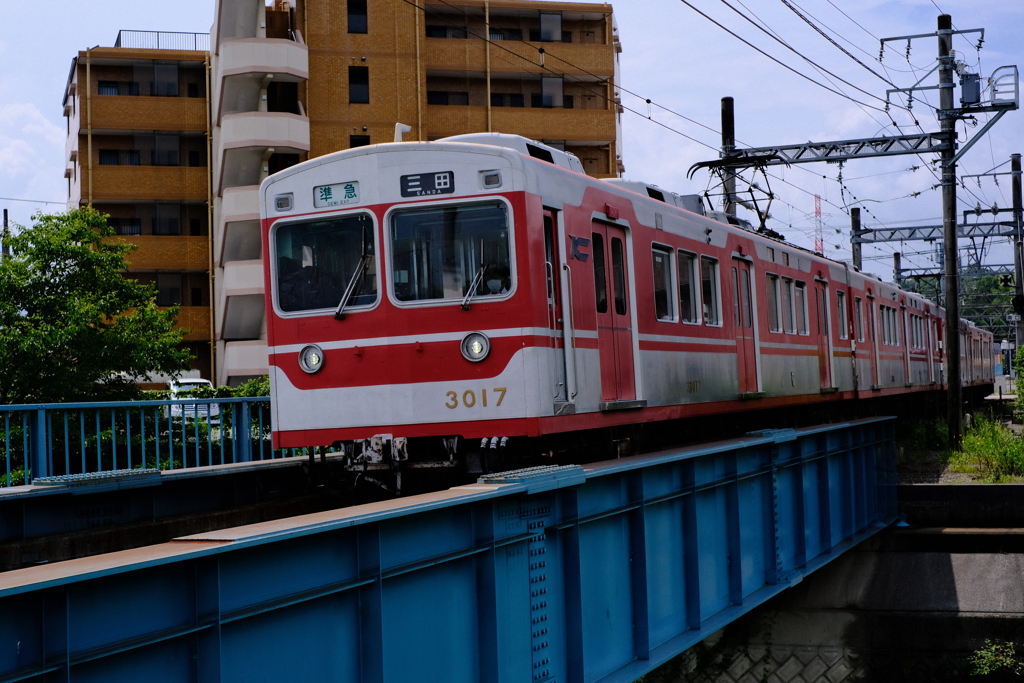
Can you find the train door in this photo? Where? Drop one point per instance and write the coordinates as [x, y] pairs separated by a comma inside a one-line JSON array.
[[821, 332], [552, 275], [614, 317], [744, 321]]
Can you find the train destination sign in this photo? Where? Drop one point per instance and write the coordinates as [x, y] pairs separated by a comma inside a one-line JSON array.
[[336, 195], [423, 184]]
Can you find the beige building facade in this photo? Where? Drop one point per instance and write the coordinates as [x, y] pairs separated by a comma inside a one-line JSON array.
[[282, 83], [137, 149]]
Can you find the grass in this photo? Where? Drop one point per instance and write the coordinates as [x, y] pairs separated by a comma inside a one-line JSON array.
[[990, 452]]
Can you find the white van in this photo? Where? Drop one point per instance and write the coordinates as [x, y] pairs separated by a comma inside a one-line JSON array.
[[180, 389]]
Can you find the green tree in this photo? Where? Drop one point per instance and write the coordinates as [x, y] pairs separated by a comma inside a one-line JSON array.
[[72, 326]]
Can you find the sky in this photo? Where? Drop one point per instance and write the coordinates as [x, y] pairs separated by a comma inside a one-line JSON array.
[[676, 58]]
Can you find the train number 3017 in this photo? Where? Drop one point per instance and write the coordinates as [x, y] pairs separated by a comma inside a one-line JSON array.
[[469, 398]]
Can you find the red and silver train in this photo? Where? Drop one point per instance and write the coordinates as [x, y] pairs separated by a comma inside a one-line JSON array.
[[433, 301]]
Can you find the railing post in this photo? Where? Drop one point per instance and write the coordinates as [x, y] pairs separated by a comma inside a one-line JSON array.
[[243, 432], [40, 458]]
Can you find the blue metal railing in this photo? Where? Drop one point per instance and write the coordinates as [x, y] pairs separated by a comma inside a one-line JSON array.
[[55, 439]]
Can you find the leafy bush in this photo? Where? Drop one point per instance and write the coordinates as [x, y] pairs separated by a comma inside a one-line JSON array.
[[990, 449], [996, 658]]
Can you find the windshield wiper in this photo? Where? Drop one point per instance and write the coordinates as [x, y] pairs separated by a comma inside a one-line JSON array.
[[354, 281], [476, 279]]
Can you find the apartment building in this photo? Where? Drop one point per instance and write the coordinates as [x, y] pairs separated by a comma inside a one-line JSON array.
[[137, 123], [294, 80]]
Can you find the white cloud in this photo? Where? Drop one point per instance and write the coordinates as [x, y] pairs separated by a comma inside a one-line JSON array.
[[31, 160]]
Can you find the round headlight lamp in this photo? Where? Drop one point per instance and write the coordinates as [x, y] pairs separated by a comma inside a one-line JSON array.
[[475, 347], [311, 358]]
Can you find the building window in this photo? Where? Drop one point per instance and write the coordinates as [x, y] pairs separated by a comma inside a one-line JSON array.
[[119, 157], [447, 32], [195, 158], [709, 290], [193, 90], [165, 81], [841, 318], [357, 16], [195, 227], [358, 140], [506, 33], [800, 304], [445, 98], [168, 289], [688, 287], [167, 220], [664, 288], [772, 302], [165, 150], [126, 226], [359, 84], [567, 102], [121, 88], [501, 99]]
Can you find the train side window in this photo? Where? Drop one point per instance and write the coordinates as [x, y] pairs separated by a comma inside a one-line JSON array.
[[745, 296], [841, 318], [600, 285], [619, 275], [316, 260], [709, 290], [664, 288], [449, 252], [688, 287], [735, 298], [788, 317], [801, 308], [858, 314], [772, 290]]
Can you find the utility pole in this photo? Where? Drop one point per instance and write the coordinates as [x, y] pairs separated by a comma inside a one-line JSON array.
[[954, 397], [728, 146], [855, 232], [1018, 271], [897, 268]]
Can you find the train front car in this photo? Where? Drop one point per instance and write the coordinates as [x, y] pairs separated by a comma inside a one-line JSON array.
[[401, 320]]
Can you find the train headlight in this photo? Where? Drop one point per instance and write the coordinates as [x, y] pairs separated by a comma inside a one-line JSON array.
[[475, 347], [311, 358]]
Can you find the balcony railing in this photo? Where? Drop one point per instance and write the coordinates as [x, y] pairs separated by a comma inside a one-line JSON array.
[[163, 40]]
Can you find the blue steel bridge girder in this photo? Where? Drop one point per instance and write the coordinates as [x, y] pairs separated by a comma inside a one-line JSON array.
[[570, 574]]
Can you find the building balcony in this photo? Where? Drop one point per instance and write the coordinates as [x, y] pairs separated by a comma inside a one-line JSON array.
[[263, 56], [152, 183], [243, 359], [240, 308], [167, 252], [591, 125], [114, 112], [195, 319], [238, 217], [447, 54], [441, 121], [246, 140], [555, 124]]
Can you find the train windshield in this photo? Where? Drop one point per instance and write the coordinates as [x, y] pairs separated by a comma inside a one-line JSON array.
[[451, 252], [316, 260]]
